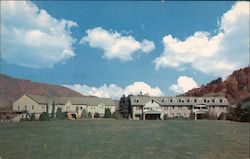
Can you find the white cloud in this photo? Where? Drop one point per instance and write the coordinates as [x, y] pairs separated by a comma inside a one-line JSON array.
[[115, 45], [116, 92], [218, 54], [33, 38], [183, 85]]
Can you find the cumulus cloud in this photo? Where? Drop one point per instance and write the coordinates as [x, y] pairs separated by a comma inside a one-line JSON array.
[[116, 45], [33, 38], [116, 92], [183, 85], [217, 54]]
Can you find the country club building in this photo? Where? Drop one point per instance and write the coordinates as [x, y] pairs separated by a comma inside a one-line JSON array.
[[146, 107], [38, 104]]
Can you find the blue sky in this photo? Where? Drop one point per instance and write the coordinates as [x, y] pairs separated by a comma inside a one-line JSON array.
[[112, 48]]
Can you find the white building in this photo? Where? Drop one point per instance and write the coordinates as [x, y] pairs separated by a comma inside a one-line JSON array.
[[37, 104], [146, 107]]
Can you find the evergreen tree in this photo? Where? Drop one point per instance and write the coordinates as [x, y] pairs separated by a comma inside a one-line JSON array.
[[84, 114], [124, 106], [59, 114], [44, 116], [53, 110], [107, 113]]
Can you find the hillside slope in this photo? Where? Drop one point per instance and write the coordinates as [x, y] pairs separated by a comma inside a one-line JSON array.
[[12, 88], [236, 88]]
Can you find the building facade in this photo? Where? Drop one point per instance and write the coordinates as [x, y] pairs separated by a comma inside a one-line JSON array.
[[37, 104], [146, 107]]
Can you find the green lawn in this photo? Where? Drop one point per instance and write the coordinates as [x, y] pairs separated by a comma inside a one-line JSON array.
[[107, 139]]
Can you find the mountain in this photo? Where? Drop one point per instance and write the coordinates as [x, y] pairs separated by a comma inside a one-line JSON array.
[[12, 88], [236, 88]]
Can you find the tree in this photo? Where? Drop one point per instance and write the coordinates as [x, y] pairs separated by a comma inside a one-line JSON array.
[[124, 106], [89, 115], [84, 114], [47, 108], [96, 115], [44, 116], [107, 113], [59, 114], [53, 110]]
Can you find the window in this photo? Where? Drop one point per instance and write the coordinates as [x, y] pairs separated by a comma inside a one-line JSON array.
[[213, 107], [182, 101], [171, 100], [25, 107], [18, 107], [188, 100], [137, 100], [32, 107], [81, 107], [179, 100], [173, 107], [213, 100], [205, 101], [221, 100], [152, 101], [162, 100], [195, 100]]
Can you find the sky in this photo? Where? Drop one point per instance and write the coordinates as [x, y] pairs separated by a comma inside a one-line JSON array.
[[110, 48]]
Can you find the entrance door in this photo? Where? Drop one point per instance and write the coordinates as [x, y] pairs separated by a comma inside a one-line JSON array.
[[152, 116]]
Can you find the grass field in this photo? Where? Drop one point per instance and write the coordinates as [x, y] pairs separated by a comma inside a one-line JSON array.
[[107, 139]]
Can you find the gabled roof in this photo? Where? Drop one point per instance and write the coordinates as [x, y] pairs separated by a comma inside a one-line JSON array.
[[91, 101], [39, 98], [74, 100]]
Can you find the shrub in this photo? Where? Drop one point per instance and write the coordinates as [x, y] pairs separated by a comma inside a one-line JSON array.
[[59, 114], [165, 117], [211, 116], [96, 115], [116, 115], [107, 113], [44, 116], [32, 117], [84, 114], [89, 115], [222, 116]]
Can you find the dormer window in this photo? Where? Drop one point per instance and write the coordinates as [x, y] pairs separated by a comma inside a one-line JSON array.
[[221, 100]]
